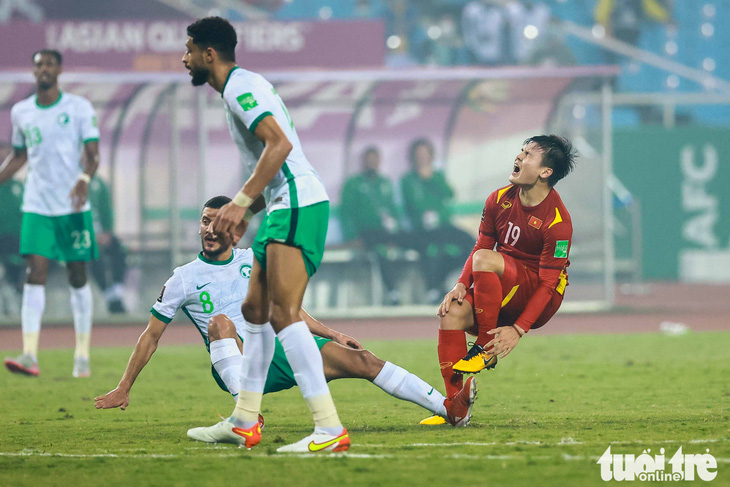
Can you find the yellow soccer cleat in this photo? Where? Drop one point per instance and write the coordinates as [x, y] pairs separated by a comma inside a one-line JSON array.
[[434, 420], [475, 361]]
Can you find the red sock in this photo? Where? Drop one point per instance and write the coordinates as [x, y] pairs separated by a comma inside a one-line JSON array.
[[487, 303], [451, 349]]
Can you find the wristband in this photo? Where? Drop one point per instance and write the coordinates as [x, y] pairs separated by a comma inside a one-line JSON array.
[[519, 330], [249, 214], [85, 178], [242, 199]]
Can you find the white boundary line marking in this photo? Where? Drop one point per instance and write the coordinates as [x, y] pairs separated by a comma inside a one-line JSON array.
[[234, 453]]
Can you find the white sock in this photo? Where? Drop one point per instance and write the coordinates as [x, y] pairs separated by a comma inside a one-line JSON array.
[[226, 359], [258, 350], [400, 383], [306, 362], [82, 307], [31, 312]]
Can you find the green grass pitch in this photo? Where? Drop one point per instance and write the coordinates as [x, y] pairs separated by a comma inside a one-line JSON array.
[[543, 417]]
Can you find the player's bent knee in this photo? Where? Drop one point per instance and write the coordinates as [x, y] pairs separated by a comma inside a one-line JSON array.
[[282, 315], [487, 261], [220, 326], [254, 312], [459, 317]]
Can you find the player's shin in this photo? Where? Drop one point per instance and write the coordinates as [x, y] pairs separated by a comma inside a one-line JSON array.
[[226, 359], [34, 303], [451, 348], [258, 350], [306, 363], [401, 384], [487, 303], [82, 307]]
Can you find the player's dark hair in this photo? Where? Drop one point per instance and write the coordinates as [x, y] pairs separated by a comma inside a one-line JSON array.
[[557, 153], [422, 141], [49, 52], [217, 202], [215, 32]]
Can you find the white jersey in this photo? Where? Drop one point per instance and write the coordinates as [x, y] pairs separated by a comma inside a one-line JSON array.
[[248, 98], [205, 288], [54, 137]]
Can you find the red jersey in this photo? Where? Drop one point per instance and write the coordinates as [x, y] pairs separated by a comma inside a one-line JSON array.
[[537, 236]]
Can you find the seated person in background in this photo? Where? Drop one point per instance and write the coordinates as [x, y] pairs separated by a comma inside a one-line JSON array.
[[12, 265], [109, 269], [426, 197], [368, 212]]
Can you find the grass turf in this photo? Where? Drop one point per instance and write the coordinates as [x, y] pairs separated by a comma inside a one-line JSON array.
[[543, 416]]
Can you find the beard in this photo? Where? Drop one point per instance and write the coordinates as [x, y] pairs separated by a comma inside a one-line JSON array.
[[216, 252], [199, 76]]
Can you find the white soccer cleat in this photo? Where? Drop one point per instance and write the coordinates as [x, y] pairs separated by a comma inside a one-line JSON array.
[[318, 442], [81, 367], [227, 432]]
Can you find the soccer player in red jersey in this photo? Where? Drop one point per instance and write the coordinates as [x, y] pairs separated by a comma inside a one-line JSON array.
[[515, 277]]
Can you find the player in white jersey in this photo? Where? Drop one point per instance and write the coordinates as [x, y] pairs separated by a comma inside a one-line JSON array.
[[290, 242], [210, 289], [57, 134]]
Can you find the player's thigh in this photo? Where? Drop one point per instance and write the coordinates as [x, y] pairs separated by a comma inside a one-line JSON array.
[[286, 275], [75, 237], [485, 260], [341, 362], [460, 316], [519, 284]]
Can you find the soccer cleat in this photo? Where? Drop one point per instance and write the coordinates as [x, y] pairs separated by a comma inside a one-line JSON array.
[[226, 432], [319, 442], [458, 408], [23, 364], [475, 361], [81, 367], [434, 420]]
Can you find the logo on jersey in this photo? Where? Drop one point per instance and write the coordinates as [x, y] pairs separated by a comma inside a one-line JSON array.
[[561, 249], [245, 271], [63, 119], [162, 293], [247, 102], [535, 222], [506, 204]]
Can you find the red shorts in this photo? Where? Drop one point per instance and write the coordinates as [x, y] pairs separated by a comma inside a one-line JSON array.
[[521, 283]]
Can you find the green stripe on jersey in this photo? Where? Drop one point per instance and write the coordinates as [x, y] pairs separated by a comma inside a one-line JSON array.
[[256, 122], [160, 316]]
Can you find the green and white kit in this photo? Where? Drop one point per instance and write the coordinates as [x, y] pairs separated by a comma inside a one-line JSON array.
[[296, 190], [205, 288], [54, 137]]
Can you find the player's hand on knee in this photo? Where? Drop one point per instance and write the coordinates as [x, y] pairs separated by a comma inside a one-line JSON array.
[[457, 294], [113, 399]]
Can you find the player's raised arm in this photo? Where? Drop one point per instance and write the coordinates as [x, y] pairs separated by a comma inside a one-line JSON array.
[[146, 346]]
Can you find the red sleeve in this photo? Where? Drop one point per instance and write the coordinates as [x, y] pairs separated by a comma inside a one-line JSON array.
[[486, 240], [553, 260]]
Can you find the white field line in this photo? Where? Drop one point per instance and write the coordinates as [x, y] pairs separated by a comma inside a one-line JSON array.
[[234, 453]]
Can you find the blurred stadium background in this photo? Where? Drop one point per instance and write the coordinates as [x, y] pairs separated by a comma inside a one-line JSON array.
[[638, 85]]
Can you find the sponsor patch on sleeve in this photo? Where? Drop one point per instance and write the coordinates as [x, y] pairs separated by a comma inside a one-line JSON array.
[[247, 102], [162, 293], [561, 249]]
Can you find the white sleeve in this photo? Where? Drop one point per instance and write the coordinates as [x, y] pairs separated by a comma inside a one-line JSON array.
[[89, 124], [17, 138], [172, 297], [252, 103]]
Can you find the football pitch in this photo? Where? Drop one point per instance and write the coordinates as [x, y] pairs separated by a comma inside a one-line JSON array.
[[543, 417]]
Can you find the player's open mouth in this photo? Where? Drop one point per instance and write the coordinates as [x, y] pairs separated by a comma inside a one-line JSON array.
[[210, 239], [516, 169]]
